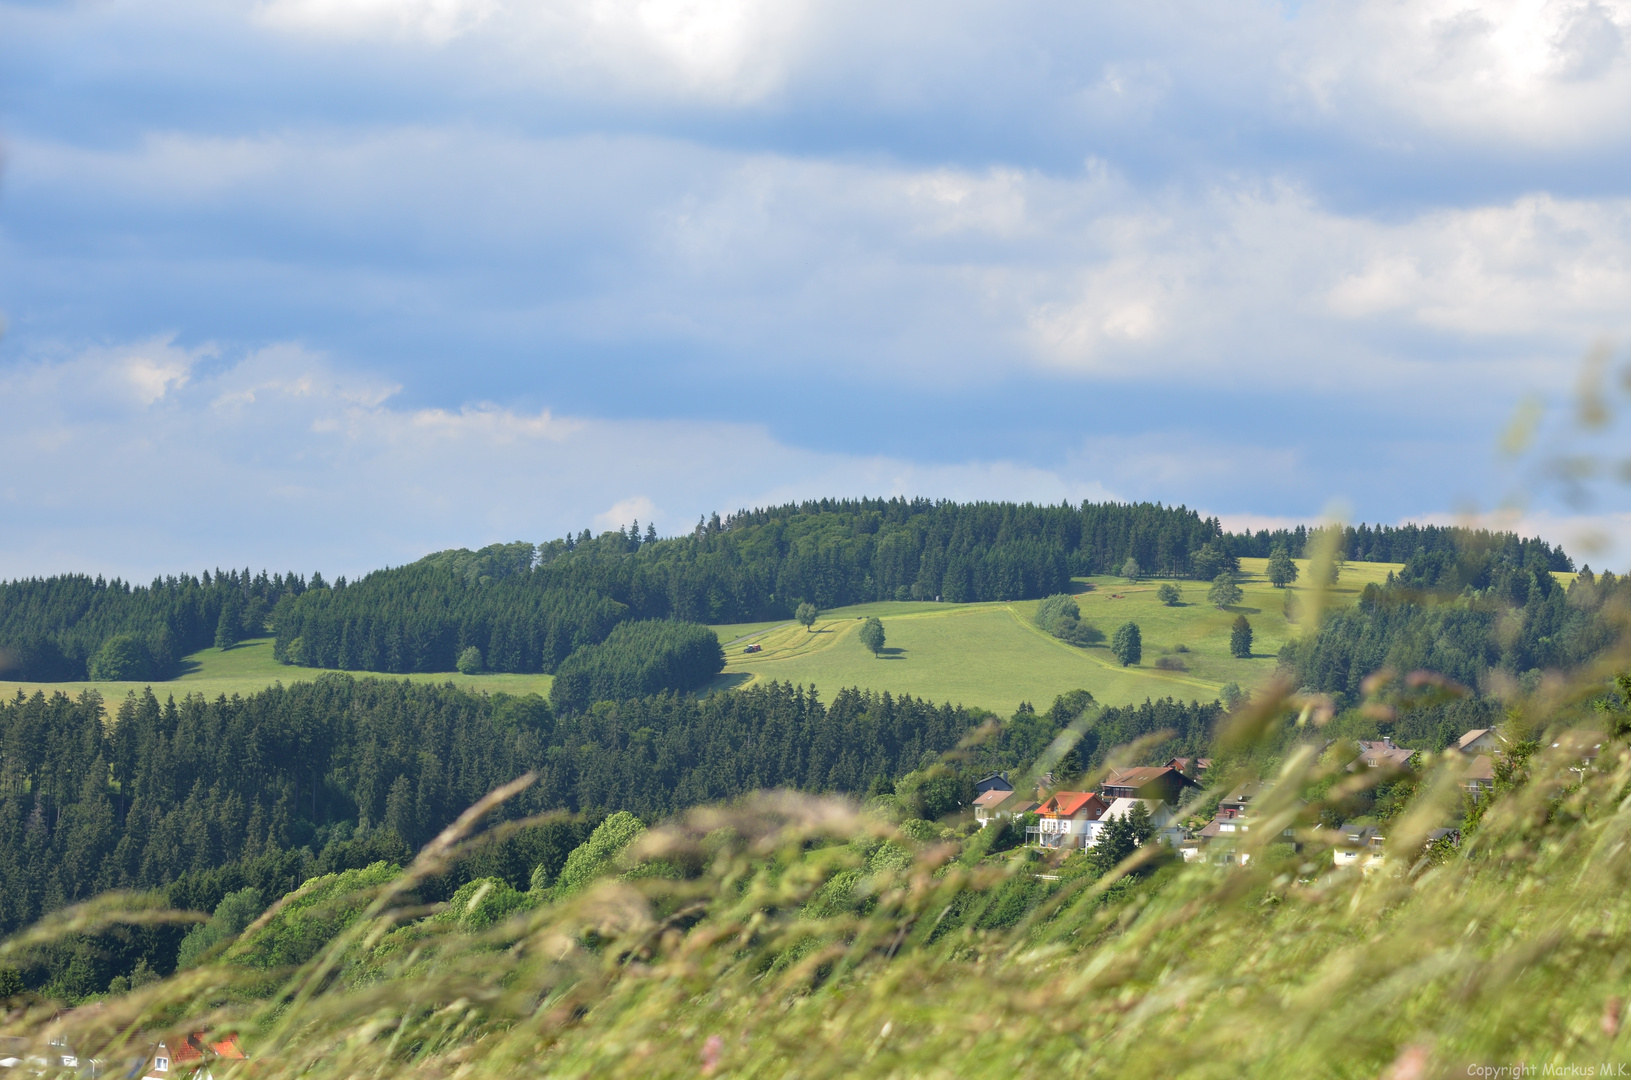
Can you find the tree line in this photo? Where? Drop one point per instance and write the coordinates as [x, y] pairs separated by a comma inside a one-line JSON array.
[[72, 627], [345, 771], [525, 608]]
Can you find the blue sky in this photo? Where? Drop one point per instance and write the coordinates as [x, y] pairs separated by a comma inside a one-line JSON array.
[[332, 283]]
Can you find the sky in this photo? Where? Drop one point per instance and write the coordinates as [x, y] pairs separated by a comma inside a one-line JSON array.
[[330, 284]]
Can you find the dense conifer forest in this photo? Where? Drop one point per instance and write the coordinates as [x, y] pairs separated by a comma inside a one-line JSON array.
[[339, 772]]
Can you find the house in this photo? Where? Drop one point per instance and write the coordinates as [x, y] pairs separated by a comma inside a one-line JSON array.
[[1146, 782], [1358, 845], [994, 782], [1453, 835], [1182, 764], [1065, 818], [989, 805], [1383, 753], [1162, 817], [1479, 777], [1233, 819], [1479, 741], [1235, 803], [996, 803], [191, 1056]]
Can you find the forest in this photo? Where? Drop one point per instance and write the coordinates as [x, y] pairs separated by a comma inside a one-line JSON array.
[[526, 607], [339, 772]]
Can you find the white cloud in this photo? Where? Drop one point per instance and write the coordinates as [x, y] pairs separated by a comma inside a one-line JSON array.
[[281, 459], [879, 268]]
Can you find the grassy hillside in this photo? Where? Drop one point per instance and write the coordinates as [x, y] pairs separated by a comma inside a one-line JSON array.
[[993, 655], [250, 667]]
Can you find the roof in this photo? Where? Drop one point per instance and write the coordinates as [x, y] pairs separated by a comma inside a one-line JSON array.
[[185, 1049], [1071, 803], [994, 797], [995, 780], [1355, 833], [1025, 806], [1245, 792], [1124, 806], [1482, 768], [1144, 775], [1378, 755], [1472, 736]]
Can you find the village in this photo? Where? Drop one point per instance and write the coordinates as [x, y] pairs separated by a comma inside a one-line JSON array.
[[1168, 796]]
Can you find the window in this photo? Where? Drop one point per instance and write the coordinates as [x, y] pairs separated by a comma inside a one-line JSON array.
[[161, 1064]]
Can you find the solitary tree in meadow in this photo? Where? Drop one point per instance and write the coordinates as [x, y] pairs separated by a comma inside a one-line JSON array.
[[1127, 644], [872, 635], [1240, 638], [229, 627], [1169, 595], [469, 662], [1281, 570], [806, 615], [1131, 570], [1224, 592]]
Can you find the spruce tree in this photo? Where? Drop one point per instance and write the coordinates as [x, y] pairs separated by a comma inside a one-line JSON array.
[[1240, 638], [1127, 644], [229, 627]]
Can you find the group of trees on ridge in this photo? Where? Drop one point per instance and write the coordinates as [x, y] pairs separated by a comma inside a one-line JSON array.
[[526, 608]]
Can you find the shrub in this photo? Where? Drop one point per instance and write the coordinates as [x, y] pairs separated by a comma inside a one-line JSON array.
[[122, 658], [235, 912], [1169, 594], [592, 858], [1060, 616], [1171, 663], [470, 661]]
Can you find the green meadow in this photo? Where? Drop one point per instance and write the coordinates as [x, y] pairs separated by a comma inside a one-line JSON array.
[[994, 656], [248, 667], [990, 655]]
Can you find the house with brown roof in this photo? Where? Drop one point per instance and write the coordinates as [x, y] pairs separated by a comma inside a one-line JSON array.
[[1383, 753], [1146, 782], [1182, 764], [1065, 818], [1479, 741], [1233, 819], [1479, 777], [192, 1057]]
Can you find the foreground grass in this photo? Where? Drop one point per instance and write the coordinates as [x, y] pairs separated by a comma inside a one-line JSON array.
[[790, 936], [249, 667], [993, 656]]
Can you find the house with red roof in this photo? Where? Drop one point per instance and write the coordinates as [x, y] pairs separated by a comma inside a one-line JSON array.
[[1065, 819], [192, 1057]]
